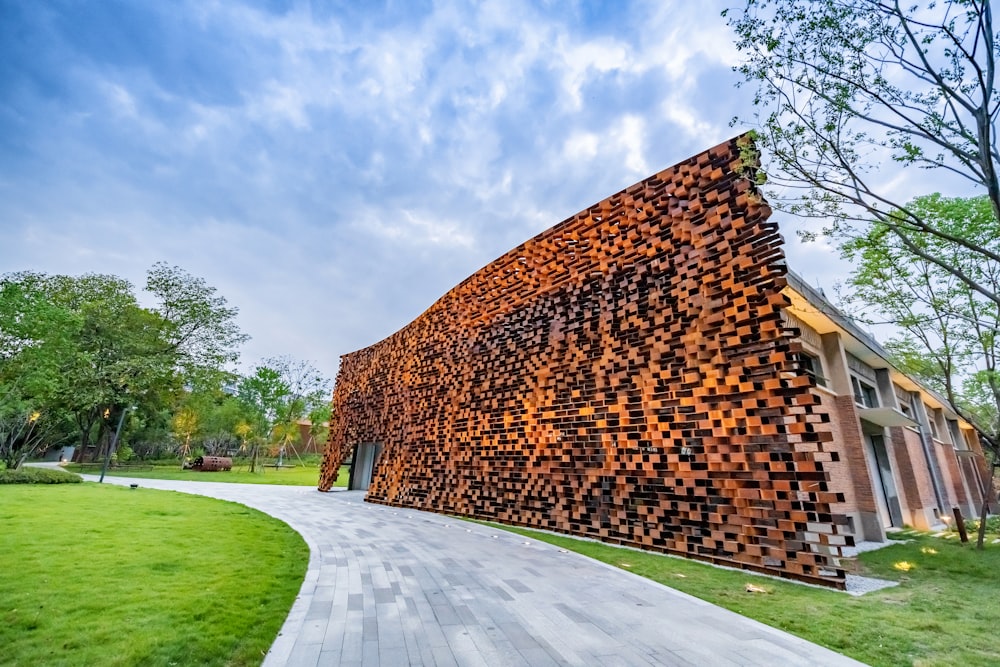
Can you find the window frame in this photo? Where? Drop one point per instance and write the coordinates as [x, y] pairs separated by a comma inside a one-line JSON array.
[[812, 365], [865, 393]]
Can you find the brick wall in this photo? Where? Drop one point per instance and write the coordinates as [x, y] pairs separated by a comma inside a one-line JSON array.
[[956, 489], [844, 441], [851, 446], [624, 375], [916, 495]]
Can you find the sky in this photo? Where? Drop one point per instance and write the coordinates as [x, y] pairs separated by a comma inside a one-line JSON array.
[[333, 168]]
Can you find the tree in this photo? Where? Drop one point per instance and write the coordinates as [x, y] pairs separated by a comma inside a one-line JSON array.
[[34, 335], [19, 435], [847, 87], [220, 419], [319, 422], [280, 392], [185, 424], [200, 329], [84, 346], [950, 332]]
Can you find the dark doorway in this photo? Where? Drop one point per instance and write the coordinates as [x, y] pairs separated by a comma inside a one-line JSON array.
[[885, 482], [363, 465]]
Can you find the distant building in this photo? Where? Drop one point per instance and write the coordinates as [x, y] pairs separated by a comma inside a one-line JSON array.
[[645, 373]]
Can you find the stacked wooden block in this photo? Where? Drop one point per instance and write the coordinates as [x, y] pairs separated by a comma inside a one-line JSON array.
[[624, 375]]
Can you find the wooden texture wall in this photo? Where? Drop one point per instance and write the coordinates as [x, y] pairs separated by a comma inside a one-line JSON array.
[[624, 375]]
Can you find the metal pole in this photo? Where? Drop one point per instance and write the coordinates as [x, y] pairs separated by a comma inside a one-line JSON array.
[[113, 446]]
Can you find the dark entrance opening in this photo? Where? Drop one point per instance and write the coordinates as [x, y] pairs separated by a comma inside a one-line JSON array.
[[363, 465]]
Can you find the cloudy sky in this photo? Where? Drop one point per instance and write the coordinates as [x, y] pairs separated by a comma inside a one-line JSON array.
[[335, 167]]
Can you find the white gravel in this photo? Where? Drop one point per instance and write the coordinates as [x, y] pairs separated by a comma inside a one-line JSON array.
[[858, 585]]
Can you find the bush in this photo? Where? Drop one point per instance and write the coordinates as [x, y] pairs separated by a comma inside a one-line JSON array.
[[992, 525], [38, 476]]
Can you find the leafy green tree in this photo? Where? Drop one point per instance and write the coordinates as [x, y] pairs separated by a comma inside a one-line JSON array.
[[20, 435], [279, 393], [83, 345], [77, 341], [319, 422], [185, 424], [199, 327], [846, 89], [949, 331], [35, 334], [220, 419]]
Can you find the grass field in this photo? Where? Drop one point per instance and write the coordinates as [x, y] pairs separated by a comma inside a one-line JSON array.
[[943, 612], [300, 475], [104, 575]]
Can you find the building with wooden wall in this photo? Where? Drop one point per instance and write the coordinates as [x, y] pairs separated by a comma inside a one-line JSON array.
[[645, 373]]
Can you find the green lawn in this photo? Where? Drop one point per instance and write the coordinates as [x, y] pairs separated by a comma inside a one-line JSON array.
[[300, 475], [106, 575], [944, 612]]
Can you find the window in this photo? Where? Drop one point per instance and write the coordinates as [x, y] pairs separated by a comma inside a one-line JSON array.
[[932, 421], [906, 405], [906, 409], [865, 394], [813, 367]]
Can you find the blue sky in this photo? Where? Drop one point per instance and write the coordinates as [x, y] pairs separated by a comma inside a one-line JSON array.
[[335, 167]]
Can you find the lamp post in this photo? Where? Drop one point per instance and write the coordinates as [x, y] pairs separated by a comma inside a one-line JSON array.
[[114, 444]]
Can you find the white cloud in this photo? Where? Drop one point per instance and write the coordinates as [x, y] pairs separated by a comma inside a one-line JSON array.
[[409, 228], [121, 101], [678, 109], [580, 61], [282, 103], [630, 136], [334, 169], [581, 145]]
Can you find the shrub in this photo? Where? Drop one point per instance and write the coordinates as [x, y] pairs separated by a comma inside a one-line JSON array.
[[992, 525], [38, 476]]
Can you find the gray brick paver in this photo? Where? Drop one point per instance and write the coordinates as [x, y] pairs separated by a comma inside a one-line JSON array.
[[439, 591]]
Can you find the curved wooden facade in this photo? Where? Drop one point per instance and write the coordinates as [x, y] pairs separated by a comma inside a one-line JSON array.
[[624, 376]]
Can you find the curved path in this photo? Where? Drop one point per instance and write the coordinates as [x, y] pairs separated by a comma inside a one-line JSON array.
[[390, 587]]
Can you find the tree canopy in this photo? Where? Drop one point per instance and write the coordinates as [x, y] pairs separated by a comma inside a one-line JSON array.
[[851, 92], [949, 332], [76, 351]]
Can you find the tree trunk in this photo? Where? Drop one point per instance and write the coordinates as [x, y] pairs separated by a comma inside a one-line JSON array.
[[81, 451], [983, 514], [103, 442]]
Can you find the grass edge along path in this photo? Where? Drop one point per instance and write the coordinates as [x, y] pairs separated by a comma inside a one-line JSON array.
[[103, 574], [942, 612], [296, 476]]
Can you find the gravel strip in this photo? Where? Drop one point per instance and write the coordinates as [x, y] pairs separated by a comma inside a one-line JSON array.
[[858, 585]]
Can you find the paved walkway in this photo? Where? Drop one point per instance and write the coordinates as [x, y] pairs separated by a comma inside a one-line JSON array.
[[392, 587]]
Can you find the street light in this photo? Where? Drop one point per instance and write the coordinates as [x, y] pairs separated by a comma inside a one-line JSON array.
[[114, 444]]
